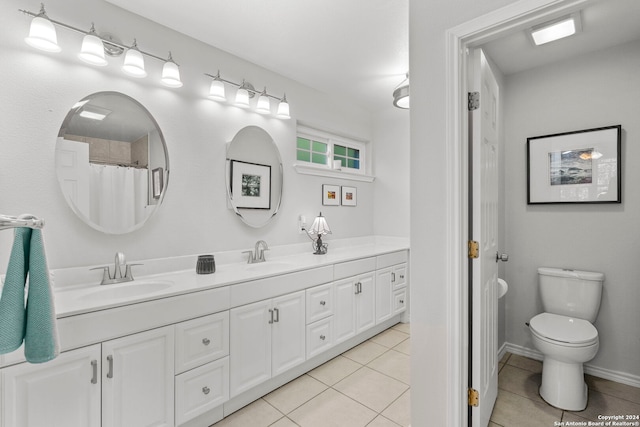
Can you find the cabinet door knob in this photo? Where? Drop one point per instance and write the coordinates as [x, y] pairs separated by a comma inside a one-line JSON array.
[[206, 341], [402, 276], [110, 371], [277, 310], [323, 302], [393, 277], [401, 301], [94, 366], [206, 390], [322, 337]]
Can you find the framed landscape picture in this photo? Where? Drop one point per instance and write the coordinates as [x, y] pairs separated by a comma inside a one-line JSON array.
[[349, 196], [575, 167], [250, 185], [330, 195]]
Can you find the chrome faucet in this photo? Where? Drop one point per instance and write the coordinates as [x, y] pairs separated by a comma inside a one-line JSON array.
[[118, 276], [257, 255]]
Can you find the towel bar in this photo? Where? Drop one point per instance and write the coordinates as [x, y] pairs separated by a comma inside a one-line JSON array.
[[31, 221]]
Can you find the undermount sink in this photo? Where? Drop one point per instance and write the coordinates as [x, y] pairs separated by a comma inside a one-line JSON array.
[[127, 290], [268, 266]]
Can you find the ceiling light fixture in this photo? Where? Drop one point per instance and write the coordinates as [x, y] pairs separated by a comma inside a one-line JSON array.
[[556, 30], [244, 93], [401, 94]]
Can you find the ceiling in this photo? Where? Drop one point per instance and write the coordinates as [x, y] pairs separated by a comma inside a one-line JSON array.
[[359, 49]]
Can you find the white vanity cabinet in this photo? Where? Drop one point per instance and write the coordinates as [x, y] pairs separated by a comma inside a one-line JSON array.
[[62, 393], [354, 308], [138, 379], [266, 339]]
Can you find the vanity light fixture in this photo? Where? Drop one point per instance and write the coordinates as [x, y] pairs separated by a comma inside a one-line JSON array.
[[244, 93], [318, 229], [401, 94], [171, 73], [42, 33], [92, 51], [556, 29]]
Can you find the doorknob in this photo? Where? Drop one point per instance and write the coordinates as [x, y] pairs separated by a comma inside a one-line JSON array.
[[502, 257]]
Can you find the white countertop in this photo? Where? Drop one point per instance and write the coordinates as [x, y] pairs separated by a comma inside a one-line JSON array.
[[85, 298]]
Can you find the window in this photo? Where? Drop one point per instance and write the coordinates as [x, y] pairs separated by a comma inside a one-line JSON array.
[[332, 152]]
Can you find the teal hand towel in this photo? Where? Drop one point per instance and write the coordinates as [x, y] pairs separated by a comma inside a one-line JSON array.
[[41, 334], [12, 308], [35, 323]]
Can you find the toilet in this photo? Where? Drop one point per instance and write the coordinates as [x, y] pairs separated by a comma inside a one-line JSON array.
[[565, 334]]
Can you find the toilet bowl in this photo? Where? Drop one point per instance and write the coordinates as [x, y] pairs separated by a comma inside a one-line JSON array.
[[566, 344]]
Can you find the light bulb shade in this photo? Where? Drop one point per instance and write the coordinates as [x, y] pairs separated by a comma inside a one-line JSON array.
[[134, 63], [320, 226], [283, 109], [242, 98], [216, 91], [92, 51], [42, 35], [171, 74], [401, 95], [264, 105]]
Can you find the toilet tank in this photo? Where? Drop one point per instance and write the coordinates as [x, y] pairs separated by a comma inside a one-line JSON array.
[[571, 293]]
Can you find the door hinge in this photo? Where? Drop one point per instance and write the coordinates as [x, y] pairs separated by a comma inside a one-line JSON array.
[[473, 100], [474, 397], [474, 249]]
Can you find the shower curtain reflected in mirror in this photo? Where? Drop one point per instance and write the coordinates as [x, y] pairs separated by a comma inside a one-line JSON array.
[[123, 196]]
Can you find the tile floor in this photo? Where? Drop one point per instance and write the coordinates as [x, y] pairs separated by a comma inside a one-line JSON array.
[[519, 403], [369, 385], [365, 386]]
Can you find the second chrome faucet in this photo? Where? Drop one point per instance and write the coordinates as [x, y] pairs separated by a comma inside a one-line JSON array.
[[257, 255], [118, 276]]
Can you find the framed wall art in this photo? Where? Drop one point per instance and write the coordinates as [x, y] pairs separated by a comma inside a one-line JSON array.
[[330, 195], [575, 167], [349, 196], [250, 185]]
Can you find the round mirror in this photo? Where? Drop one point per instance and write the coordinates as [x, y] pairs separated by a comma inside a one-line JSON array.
[[112, 162], [254, 176]]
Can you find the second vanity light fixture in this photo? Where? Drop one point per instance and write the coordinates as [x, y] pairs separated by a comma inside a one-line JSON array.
[[244, 93], [42, 35]]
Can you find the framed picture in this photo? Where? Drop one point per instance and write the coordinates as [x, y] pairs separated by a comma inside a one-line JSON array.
[[330, 195], [250, 185], [349, 196], [575, 167], [157, 182]]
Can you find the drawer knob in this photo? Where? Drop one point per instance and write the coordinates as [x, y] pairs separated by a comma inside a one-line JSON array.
[[322, 337], [401, 301], [402, 276], [206, 341], [323, 302], [206, 390]]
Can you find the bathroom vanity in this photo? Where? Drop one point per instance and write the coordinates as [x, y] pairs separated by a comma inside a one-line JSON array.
[[186, 350]]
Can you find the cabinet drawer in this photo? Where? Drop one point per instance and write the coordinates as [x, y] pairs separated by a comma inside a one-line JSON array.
[[201, 389], [399, 276], [319, 337], [201, 340], [399, 300], [319, 302]]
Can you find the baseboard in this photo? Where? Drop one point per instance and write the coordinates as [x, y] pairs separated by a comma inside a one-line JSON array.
[[502, 350], [607, 374]]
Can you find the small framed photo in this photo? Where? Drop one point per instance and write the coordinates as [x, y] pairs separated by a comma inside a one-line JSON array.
[[157, 182], [575, 167], [330, 195], [349, 196], [250, 185]]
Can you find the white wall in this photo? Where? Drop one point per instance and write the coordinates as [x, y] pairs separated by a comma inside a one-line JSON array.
[[599, 89], [391, 165], [39, 88]]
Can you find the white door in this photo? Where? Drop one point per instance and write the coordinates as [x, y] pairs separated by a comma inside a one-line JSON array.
[[366, 302], [250, 345], [72, 167], [384, 295], [484, 230], [344, 314], [62, 393], [288, 336], [138, 380]]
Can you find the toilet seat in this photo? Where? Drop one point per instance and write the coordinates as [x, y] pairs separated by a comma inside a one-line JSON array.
[[564, 330]]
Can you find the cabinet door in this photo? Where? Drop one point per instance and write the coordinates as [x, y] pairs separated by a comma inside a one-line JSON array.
[[201, 340], [288, 342], [201, 389], [319, 302], [399, 276], [384, 296], [250, 346], [344, 310], [138, 380], [62, 393], [319, 337], [366, 303], [399, 300]]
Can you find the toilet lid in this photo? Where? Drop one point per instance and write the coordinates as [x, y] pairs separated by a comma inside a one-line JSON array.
[[563, 328]]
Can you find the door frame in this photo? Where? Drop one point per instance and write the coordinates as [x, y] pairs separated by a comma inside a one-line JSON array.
[[459, 39]]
